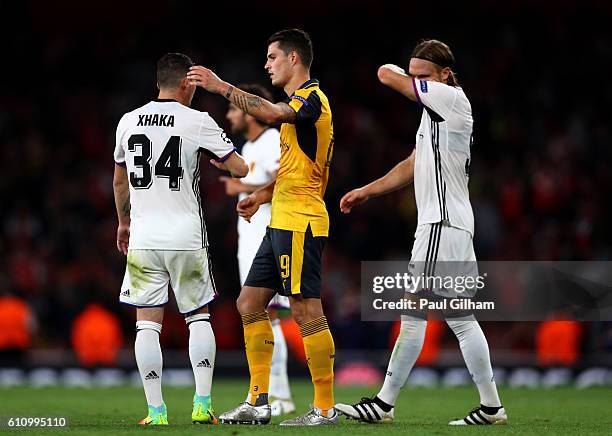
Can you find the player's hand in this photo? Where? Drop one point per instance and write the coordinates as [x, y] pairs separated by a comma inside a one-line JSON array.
[[247, 207], [232, 186], [220, 165], [394, 68], [123, 238], [223, 167], [205, 78], [352, 199]]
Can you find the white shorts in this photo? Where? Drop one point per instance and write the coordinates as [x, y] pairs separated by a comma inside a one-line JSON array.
[[247, 249], [443, 253], [149, 272]]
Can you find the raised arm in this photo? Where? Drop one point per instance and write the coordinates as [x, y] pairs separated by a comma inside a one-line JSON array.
[[260, 108], [396, 78], [121, 191], [400, 175]]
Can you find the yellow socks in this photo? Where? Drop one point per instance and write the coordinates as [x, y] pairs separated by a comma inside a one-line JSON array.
[[259, 342], [320, 350], [319, 347]]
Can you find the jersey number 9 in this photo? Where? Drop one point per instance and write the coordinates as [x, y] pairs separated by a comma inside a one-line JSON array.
[[285, 265]]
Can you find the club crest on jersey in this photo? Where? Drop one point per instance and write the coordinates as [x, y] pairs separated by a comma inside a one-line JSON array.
[[156, 120], [423, 86], [226, 139]]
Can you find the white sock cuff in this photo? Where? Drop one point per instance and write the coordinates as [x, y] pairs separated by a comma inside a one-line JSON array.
[[467, 318], [461, 324], [410, 318], [148, 325], [197, 317]]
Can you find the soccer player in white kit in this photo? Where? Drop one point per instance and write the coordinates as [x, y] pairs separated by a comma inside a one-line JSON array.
[[439, 167], [261, 152], [161, 227]]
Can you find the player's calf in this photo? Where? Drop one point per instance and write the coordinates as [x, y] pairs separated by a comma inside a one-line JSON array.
[[149, 361]]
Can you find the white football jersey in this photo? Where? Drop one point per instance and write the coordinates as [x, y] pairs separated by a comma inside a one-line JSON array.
[[262, 156], [160, 144], [443, 142]]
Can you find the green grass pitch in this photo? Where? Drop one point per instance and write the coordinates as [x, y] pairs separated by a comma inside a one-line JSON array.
[[115, 411]]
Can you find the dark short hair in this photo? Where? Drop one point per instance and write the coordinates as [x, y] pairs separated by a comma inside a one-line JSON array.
[[171, 69], [439, 53], [294, 39]]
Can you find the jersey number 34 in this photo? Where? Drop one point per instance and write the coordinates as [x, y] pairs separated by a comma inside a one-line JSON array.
[[168, 166]]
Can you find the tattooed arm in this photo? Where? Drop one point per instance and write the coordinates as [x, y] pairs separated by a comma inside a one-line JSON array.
[[260, 108], [121, 190]]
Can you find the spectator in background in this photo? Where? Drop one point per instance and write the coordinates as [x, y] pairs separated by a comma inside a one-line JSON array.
[[96, 336], [57, 208], [431, 344], [16, 328], [558, 343]]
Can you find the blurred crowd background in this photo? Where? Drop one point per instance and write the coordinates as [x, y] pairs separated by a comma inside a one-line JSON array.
[[538, 78]]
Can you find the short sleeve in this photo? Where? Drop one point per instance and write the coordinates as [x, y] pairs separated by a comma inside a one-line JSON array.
[[438, 97], [119, 153], [213, 140], [306, 104]]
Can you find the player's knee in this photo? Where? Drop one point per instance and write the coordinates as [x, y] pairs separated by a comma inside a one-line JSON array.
[[300, 314], [305, 310], [152, 314], [299, 318], [242, 305], [246, 305], [461, 325]]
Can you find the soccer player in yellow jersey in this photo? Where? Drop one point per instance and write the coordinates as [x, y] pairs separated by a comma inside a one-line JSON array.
[[288, 261]]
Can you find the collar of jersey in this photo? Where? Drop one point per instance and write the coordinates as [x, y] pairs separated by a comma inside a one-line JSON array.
[[309, 83], [165, 100]]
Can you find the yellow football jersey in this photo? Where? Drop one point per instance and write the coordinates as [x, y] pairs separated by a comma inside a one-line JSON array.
[[306, 152]]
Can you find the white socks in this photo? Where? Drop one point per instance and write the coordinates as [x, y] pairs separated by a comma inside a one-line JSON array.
[[279, 382], [202, 350], [474, 349], [475, 352], [405, 353], [149, 360]]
